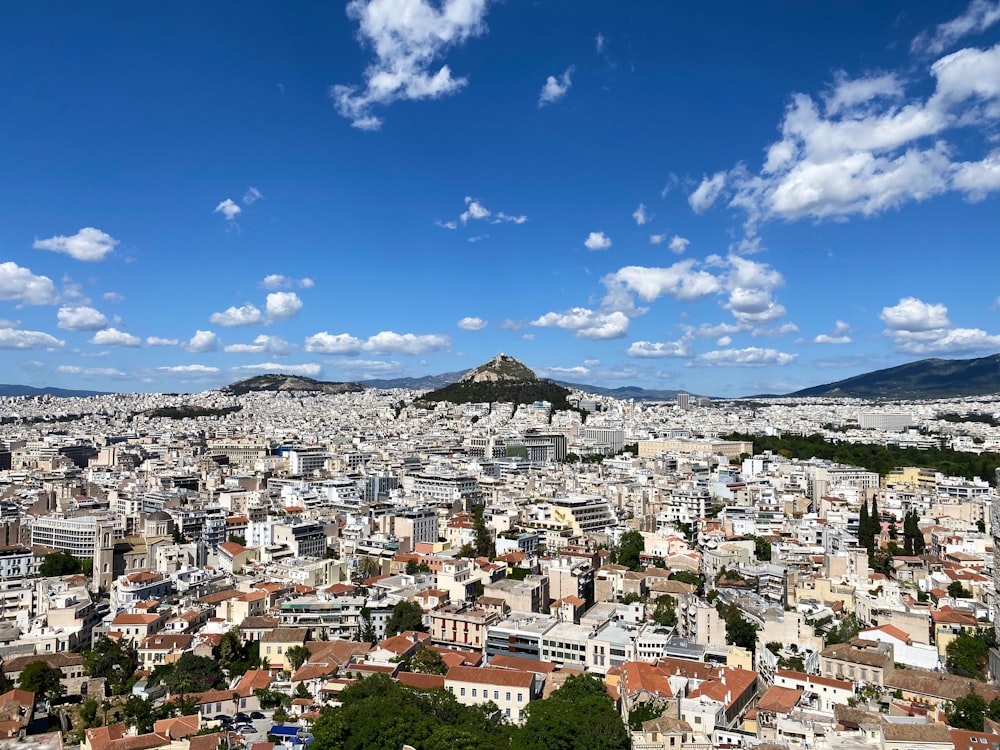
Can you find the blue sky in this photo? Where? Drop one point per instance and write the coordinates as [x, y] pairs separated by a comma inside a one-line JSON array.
[[726, 198]]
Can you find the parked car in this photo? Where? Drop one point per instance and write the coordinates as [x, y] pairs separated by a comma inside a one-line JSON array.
[[246, 729], [255, 715], [242, 718]]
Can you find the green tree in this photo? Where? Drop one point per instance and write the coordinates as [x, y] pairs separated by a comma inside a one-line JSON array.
[[366, 631], [60, 564], [762, 549], [88, 712], [630, 598], [967, 712], [644, 712], [368, 567], [238, 539], [692, 579], [139, 713], [741, 632], [968, 653], [580, 715], [193, 674], [666, 611], [42, 680], [845, 631], [428, 661], [957, 591], [296, 656], [483, 539], [413, 567], [404, 616], [115, 661], [230, 648], [630, 547]]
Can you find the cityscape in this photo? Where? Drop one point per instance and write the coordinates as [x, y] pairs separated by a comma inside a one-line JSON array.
[[457, 374]]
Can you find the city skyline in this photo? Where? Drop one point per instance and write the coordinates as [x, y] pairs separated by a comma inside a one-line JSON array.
[[719, 199]]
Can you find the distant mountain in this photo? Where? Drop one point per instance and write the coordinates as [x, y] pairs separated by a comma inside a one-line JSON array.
[[505, 380], [427, 382], [927, 378], [288, 383], [27, 390], [624, 392]]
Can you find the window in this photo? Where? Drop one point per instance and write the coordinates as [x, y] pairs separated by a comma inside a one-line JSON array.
[[462, 691], [508, 695], [520, 697], [474, 692]]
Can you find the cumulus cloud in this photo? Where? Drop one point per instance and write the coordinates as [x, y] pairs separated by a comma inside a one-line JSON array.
[[640, 215], [187, 369], [228, 208], [472, 324], [89, 244], [446, 224], [159, 341], [657, 239], [114, 297], [912, 314], [283, 305], [556, 88], [114, 337], [917, 327], [12, 338], [245, 315], [597, 241], [679, 244], [588, 324], [682, 281], [866, 146], [388, 342], [562, 371], [650, 349], [271, 344], [977, 18], [309, 370], [81, 319], [750, 357], [407, 38], [19, 284], [280, 281], [707, 192], [203, 341], [329, 343], [251, 196], [839, 335], [474, 210]]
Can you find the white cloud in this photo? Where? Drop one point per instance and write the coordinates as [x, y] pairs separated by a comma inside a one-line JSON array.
[[979, 16], [181, 369], [89, 244], [18, 284], [159, 341], [203, 341], [245, 315], [114, 297], [474, 210], [446, 224], [657, 239], [280, 281], [228, 208], [328, 343], [599, 42], [650, 349], [839, 335], [679, 244], [866, 146], [283, 305], [502, 217], [707, 192], [587, 323], [263, 343], [912, 314], [81, 319], [251, 196], [107, 372], [556, 88], [641, 216], [597, 241], [114, 337], [367, 368], [945, 341], [309, 370], [560, 371], [724, 341], [407, 38], [750, 357], [682, 281], [12, 338], [406, 343], [471, 324]]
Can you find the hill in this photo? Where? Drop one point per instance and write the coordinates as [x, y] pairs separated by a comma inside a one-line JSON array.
[[427, 382], [505, 380], [278, 382], [27, 390], [927, 378], [624, 392]]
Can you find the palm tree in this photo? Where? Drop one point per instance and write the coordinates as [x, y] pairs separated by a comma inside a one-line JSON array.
[[368, 567]]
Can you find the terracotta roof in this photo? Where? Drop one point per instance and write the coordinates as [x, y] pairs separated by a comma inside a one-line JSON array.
[[899, 732], [487, 676], [779, 700], [100, 737], [285, 635], [207, 741], [421, 681], [179, 727], [641, 677], [891, 630], [139, 742]]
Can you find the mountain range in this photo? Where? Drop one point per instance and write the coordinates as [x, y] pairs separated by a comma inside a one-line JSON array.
[[924, 379]]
